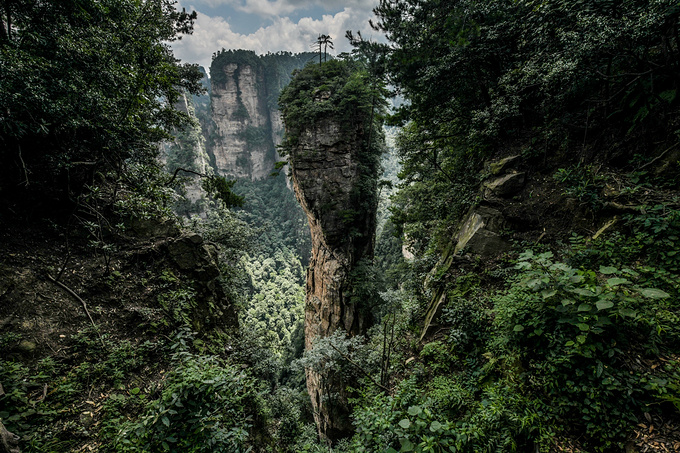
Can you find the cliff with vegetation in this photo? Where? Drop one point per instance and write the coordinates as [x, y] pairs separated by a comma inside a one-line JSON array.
[[333, 149], [522, 294], [245, 123]]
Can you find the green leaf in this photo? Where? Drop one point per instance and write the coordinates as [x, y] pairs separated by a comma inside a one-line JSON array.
[[548, 293], [628, 312], [582, 292], [654, 293], [518, 328], [668, 95], [607, 270], [616, 281], [435, 426], [583, 327], [405, 423], [414, 410], [585, 307], [535, 283], [406, 445], [604, 304], [630, 272], [134, 391], [526, 255], [165, 421]]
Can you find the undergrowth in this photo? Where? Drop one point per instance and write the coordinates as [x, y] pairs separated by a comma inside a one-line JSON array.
[[578, 346]]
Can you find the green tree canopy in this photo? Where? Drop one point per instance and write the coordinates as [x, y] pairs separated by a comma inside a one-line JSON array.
[[488, 69], [544, 76], [87, 87]]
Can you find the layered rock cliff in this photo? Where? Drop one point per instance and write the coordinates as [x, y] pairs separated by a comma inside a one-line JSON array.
[[325, 173], [334, 174], [187, 151], [245, 124]]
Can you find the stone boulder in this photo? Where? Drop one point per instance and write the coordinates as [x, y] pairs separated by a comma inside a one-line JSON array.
[[505, 186], [479, 233], [501, 166], [9, 443], [190, 253], [152, 228]]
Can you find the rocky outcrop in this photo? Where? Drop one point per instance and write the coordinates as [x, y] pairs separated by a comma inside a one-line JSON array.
[[504, 186], [9, 443], [187, 151], [246, 123], [479, 233], [326, 173], [241, 137]]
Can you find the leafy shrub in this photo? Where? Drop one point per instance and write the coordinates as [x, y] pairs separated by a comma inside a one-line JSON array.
[[583, 183], [575, 331], [205, 405], [412, 421]]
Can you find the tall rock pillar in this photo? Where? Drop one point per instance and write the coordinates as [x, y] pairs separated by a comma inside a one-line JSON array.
[[334, 174]]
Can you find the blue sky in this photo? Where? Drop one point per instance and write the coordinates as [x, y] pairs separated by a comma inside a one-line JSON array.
[[270, 25]]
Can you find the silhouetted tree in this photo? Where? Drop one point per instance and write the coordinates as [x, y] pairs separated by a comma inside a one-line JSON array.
[[324, 41]]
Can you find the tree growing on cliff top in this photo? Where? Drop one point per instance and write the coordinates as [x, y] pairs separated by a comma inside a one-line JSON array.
[[324, 41], [340, 88]]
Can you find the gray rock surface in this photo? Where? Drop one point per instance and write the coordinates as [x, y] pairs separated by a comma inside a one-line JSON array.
[[325, 173], [479, 232], [505, 186]]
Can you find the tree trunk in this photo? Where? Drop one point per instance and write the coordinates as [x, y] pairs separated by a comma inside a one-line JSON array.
[[8, 21]]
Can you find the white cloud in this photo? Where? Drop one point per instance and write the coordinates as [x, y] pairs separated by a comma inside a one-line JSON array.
[[214, 33], [269, 8]]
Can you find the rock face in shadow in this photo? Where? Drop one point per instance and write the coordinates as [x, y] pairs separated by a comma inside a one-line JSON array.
[[9, 443], [326, 172]]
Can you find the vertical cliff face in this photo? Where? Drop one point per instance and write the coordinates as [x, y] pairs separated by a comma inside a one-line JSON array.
[[334, 174], [241, 142], [246, 125], [187, 151], [325, 173]]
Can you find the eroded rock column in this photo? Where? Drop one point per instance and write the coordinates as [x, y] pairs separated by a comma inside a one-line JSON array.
[[326, 172]]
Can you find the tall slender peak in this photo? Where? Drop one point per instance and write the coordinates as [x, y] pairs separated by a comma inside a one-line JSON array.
[[333, 146]]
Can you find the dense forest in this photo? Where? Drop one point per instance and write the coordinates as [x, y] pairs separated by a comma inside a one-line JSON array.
[[518, 287]]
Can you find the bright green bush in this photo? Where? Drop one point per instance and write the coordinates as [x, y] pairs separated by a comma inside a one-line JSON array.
[[205, 405], [577, 333]]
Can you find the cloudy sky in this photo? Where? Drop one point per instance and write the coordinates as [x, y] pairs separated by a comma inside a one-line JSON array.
[[270, 25]]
